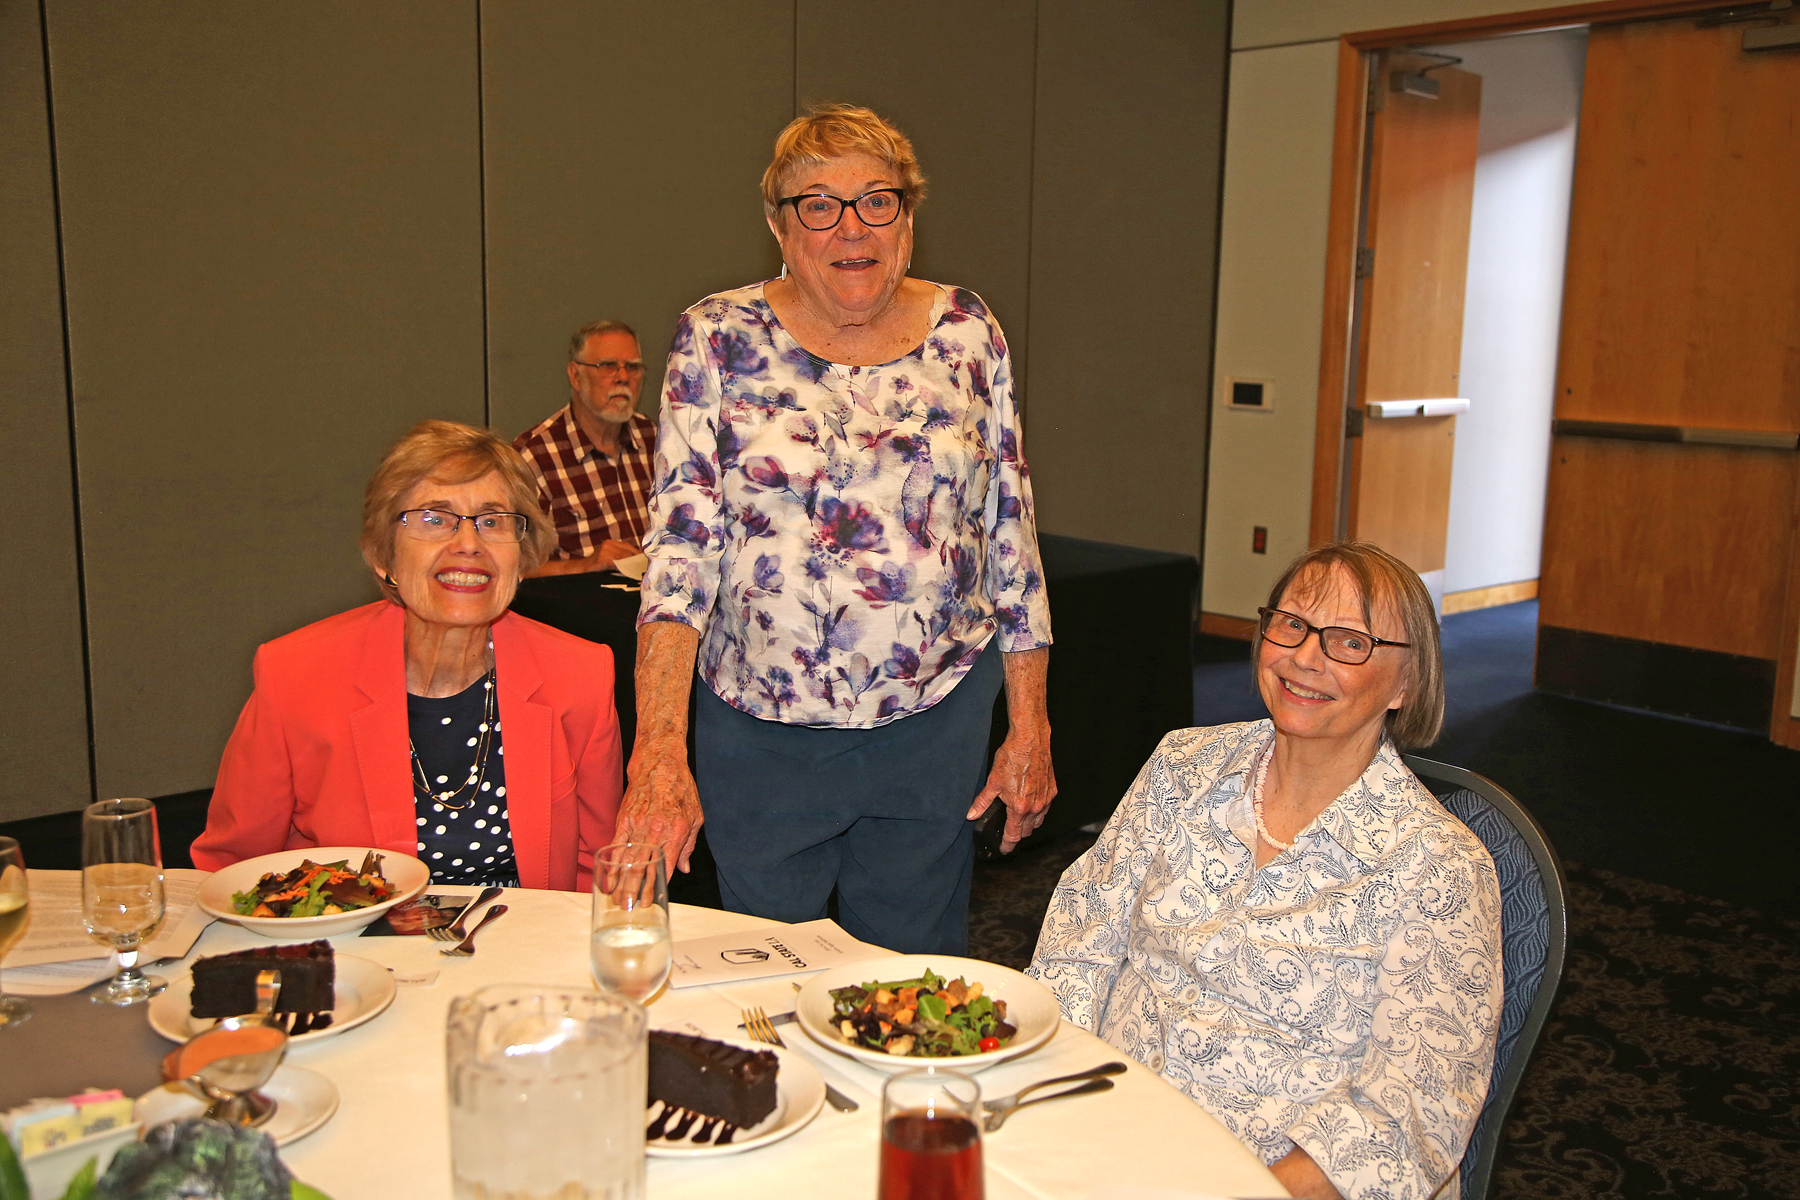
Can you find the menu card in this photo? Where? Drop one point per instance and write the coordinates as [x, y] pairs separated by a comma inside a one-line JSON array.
[[763, 953], [56, 934]]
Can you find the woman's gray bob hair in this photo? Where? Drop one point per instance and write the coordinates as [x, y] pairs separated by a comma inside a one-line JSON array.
[[1382, 581]]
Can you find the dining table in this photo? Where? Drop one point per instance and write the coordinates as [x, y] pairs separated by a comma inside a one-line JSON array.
[[389, 1138]]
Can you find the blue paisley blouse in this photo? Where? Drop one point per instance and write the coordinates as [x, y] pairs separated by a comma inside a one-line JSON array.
[[1345, 998], [846, 539]]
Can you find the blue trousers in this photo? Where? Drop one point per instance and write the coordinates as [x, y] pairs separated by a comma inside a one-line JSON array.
[[878, 815]]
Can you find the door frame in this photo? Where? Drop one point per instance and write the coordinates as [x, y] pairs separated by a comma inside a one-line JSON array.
[[1336, 346], [1355, 54]]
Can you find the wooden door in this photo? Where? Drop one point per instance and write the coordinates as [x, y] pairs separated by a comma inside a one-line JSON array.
[[1668, 546], [1421, 184]]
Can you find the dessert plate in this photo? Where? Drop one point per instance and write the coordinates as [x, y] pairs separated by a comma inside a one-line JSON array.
[[799, 1094], [304, 1100], [363, 989]]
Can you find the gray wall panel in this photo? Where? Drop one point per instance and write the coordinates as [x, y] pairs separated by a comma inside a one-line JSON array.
[[1124, 221], [43, 707], [624, 144], [273, 259], [957, 79]]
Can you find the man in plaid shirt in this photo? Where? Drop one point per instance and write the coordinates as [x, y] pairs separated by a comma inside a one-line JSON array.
[[593, 458]]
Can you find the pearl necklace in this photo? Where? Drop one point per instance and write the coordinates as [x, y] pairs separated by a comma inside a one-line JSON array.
[[490, 721], [1256, 802]]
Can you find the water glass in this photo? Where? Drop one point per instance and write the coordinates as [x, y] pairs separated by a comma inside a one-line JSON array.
[[122, 891], [629, 937], [15, 918], [547, 1094], [931, 1136]]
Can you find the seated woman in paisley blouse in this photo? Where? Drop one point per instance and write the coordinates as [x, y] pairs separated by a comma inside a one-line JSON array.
[[1282, 921], [842, 538], [383, 726]]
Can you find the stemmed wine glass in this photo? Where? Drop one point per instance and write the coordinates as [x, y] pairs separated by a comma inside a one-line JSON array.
[[15, 917], [629, 935], [122, 891]]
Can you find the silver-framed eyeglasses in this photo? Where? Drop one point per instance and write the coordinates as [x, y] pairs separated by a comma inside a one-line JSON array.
[[614, 366], [440, 525], [1349, 646], [820, 211]]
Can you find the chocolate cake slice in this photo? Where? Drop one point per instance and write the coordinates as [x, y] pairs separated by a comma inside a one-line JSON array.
[[711, 1078], [225, 984]]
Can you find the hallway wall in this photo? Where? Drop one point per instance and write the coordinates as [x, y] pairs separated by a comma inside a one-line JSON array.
[[1272, 273]]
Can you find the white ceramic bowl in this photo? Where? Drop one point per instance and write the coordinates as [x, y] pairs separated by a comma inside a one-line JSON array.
[[1030, 1006], [405, 872]]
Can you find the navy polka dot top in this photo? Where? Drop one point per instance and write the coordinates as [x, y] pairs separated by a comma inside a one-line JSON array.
[[467, 839]]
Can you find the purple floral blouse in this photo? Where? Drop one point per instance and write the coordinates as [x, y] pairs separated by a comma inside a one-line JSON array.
[[846, 539]]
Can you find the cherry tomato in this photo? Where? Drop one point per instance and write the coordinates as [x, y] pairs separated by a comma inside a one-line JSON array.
[[988, 1043]]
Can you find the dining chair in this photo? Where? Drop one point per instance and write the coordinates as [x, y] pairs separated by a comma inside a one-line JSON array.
[[1533, 936]]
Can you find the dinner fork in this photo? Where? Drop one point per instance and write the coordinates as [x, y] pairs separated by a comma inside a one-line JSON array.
[[756, 1024], [460, 930], [1003, 1107], [466, 947]]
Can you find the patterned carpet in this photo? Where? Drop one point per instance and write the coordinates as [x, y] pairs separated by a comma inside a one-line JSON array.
[[1670, 1066]]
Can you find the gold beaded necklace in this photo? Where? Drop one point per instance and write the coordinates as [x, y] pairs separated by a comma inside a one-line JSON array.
[[478, 768]]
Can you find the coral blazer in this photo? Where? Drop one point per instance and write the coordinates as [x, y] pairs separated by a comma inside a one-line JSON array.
[[320, 755]]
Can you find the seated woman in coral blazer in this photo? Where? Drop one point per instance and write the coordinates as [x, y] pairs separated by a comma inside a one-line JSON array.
[[320, 755]]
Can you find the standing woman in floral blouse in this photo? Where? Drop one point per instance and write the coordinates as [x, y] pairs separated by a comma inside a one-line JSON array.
[[1281, 919], [842, 540]]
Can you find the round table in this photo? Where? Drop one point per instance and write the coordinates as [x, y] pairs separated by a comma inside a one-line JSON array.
[[390, 1136]]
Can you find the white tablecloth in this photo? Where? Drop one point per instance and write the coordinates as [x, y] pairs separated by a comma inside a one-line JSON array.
[[390, 1137]]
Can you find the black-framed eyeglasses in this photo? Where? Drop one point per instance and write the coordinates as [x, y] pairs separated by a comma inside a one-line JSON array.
[[820, 211], [440, 525], [614, 366], [1349, 646]]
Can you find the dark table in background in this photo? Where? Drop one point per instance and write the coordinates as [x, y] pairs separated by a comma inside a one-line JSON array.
[[594, 607], [1121, 672]]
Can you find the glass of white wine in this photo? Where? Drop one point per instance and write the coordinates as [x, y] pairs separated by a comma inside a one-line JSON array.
[[629, 938], [122, 891], [15, 918]]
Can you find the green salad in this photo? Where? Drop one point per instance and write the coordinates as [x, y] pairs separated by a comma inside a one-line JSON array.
[[927, 1017]]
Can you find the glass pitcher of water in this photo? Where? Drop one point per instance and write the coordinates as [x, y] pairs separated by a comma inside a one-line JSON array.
[[547, 1094]]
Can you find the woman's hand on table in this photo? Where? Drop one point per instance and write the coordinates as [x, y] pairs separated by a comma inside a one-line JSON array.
[[1022, 776], [661, 805]]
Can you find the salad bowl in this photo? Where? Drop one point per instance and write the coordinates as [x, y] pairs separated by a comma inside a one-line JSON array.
[[1030, 1006], [407, 874]]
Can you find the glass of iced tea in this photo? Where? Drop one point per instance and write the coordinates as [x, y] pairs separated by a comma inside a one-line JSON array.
[[931, 1136]]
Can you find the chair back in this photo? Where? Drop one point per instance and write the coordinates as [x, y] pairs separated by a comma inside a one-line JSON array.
[[1533, 933]]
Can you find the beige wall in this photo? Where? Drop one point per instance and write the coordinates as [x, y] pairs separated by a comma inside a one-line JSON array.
[[1280, 22], [1124, 231], [43, 705], [289, 232], [272, 240], [1272, 273], [620, 184], [1271, 290]]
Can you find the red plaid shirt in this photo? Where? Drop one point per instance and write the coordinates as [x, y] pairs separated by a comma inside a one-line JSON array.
[[589, 496]]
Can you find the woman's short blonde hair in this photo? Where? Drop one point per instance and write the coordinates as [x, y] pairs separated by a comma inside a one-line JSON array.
[[1382, 581], [451, 453], [831, 131]]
